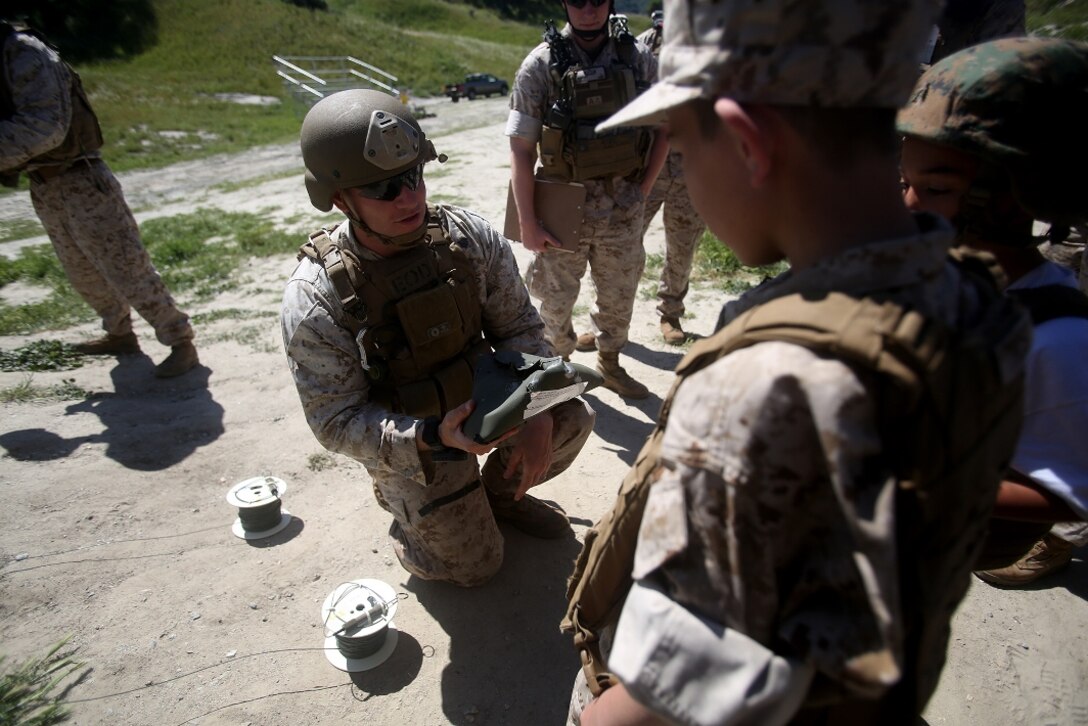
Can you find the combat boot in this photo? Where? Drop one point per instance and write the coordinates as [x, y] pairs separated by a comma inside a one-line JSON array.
[[181, 359], [586, 342], [530, 515], [616, 378], [671, 330], [126, 344], [1049, 555]]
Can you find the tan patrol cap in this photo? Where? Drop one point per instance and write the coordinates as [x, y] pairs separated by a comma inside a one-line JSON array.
[[828, 53]]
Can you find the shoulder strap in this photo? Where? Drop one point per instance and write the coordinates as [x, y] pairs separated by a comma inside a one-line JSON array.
[[1051, 302], [342, 268]]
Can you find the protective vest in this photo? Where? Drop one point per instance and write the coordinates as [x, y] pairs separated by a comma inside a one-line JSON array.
[[570, 148], [416, 317], [949, 413], [84, 133]]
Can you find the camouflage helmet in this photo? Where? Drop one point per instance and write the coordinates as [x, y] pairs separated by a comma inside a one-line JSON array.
[[358, 137], [827, 53], [1018, 104]]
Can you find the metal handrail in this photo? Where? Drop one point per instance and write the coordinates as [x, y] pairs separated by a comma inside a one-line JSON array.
[[329, 74]]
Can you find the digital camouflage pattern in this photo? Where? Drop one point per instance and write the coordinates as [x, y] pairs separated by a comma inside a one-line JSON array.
[[773, 510], [82, 209], [847, 53], [683, 225], [683, 230], [1019, 103], [611, 243], [455, 538]]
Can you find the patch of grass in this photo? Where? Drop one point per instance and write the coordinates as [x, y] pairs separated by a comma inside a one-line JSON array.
[[28, 694], [195, 253], [26, 391], [1058, 18], [41, 355], [231, 314], [717, 263], [321, 461], [20, 229]]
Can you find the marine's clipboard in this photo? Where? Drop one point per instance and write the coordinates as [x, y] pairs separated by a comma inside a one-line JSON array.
[[559, 206]]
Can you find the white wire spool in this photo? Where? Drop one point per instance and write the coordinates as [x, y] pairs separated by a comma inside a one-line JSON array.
[[259, 502], [358, 624]]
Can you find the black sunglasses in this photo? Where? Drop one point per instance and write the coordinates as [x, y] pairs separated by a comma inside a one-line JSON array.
[[389, 189], [579, 4]]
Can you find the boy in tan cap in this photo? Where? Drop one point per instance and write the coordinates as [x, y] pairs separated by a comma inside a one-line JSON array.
[[802, 523]]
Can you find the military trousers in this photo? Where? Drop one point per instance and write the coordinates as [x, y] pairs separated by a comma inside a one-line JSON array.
[[611, 246], [446, 531], [683, 230], [98, 244]]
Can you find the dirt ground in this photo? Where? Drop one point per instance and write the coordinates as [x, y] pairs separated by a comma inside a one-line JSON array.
[[116, 531]]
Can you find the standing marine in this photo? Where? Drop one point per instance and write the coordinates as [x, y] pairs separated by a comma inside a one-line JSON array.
[[564, 88]]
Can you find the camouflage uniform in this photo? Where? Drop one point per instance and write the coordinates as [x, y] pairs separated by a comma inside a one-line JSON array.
[[611, 242], [443, 527], [81, 207], [683, 225], [772, 582]]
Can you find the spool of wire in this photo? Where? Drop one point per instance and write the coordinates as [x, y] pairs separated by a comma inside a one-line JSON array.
[[259, 502], [358, 624]]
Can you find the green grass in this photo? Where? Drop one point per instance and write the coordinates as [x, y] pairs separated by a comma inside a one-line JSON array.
[[26, 392], [20, 229], [1060, 18], [41, 355], [28, 691], [196, 254], [714, 261]]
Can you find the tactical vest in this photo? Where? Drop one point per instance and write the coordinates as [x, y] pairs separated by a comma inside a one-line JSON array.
[[84, 133], [570, 148], [416, 317], [949, 413]]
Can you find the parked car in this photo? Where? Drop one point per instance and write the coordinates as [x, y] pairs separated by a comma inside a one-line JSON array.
[[476, 84]]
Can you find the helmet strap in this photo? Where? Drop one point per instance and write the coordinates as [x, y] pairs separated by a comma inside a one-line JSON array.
[[590, 35], [401, 241]]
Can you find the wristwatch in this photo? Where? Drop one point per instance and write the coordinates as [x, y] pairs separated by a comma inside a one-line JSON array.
[[439, 451]]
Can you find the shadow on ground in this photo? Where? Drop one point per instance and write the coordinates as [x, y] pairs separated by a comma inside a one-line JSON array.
[[148, 424], [508, 662]]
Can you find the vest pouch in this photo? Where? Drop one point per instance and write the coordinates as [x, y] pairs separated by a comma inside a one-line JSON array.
[[432, 326], [454, 384], [419, 399], [553, 165], [603, 157], [598, 91]]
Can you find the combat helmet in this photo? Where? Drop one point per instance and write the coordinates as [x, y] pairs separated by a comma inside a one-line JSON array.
[[1019, 105], [357, 137]]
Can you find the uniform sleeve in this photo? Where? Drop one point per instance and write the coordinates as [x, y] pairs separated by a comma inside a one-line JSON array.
[[529, 98], [769, 524], [39, 92], [327, 368]]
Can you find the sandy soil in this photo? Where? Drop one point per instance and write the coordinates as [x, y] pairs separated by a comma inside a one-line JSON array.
[[116, 531]]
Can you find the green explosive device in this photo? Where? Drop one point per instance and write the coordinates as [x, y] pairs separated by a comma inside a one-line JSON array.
[[510, 387]]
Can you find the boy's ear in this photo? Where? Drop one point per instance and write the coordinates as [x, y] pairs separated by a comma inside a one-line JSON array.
[[752, 137], [338, 200]]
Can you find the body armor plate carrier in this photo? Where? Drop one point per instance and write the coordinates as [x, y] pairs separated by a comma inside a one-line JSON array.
[[570, 148], [949, 411], [416, 317]]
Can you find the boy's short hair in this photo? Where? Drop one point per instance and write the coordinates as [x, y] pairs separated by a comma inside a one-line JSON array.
[[826, 53]]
